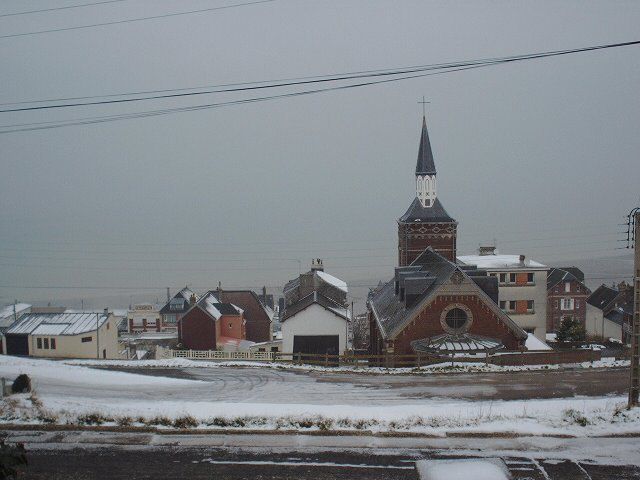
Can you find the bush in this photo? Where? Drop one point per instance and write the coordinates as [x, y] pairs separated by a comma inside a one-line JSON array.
[[10, 458], [571, 330], [186, 421], [93, 419], [160, 420], [124, 421], [576, 417], [22, 384]]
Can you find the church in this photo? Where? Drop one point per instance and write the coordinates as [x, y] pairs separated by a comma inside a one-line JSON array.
[[433, 305]]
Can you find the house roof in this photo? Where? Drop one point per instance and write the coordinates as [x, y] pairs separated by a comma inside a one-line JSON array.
[[449, 343], [417, 213], [7, 317], [319, 299], [392, 314], [210, 304], [603, 297], [249, 302], [425, 164], [58, 323], [557, 275], [498, 261], [180, 302]]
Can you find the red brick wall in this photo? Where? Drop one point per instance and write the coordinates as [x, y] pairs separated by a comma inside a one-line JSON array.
[[427, 324], [258, 326], [197, 330], [412, 242], [232, 326]]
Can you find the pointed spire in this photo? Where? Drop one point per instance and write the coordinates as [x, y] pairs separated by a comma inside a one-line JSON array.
[[425, 165]]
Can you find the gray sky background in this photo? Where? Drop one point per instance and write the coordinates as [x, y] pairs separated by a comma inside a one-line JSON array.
[[541, 155]]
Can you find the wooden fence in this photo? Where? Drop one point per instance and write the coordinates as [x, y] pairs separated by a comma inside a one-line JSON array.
[[542, 357]]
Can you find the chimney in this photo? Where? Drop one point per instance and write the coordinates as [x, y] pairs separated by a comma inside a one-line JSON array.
[[168, 295], [264, 295], [316, 265], [106, 312], [192, 299], [522, 260], [487, 250]]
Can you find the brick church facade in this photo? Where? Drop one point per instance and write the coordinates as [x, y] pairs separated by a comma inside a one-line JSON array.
[[433, 304]]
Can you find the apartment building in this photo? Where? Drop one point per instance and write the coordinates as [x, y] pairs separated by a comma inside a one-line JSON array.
[[522, 287]]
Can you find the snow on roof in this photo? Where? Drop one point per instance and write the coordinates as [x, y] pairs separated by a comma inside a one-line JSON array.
[[534, 343], [498, 261], [58, 323], [331, 280], [7, 312]]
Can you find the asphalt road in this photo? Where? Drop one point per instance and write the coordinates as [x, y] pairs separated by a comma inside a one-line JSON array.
[[288, 386], [73, 455]]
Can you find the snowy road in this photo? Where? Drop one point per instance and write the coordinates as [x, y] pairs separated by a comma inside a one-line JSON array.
[[84, 455], [287, 386]]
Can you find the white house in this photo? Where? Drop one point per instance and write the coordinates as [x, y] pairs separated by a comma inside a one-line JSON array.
[[316, 326], [522, 287], [64, 335]]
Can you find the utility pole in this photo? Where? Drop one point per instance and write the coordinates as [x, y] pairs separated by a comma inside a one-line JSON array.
[[634, 383]]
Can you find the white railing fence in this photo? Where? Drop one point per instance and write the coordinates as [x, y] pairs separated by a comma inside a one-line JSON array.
[[218, 355]]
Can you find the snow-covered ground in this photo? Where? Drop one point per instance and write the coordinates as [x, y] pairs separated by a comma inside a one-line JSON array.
[[444, 367], [77, 394]]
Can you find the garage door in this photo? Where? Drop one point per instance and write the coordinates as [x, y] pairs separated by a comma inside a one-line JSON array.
[[17, 345], [316, 344]]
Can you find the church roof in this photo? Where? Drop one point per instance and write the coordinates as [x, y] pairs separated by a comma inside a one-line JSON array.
[[417, 213], [425, 165], [392, 314]]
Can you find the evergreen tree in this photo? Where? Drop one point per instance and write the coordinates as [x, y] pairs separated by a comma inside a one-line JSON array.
[[571, 330]]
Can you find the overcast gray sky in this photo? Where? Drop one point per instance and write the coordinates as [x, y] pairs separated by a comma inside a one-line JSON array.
[[541, 155]]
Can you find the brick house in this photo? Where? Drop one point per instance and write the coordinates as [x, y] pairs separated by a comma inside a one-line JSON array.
[[210, 325], [435, 297], [258, 316], [566, 297]]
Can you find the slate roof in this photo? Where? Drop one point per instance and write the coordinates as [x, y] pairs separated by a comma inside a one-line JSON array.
[[58, 323], [557, 275], [316, 298], [185, 295], [392, 314], [602, 297], [417, 213], [425, 164]]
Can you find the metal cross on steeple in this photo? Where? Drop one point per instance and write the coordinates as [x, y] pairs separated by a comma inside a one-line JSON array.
[[423, 102]]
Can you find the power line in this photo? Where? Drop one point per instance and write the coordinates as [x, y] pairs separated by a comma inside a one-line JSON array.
[[249, 86], [61, 8], [139, 19]]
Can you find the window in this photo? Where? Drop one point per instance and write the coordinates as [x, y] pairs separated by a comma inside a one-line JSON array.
[[107, 325], [53, 344], [566, 304], [512, 278], [456, 318], [170, 319], [503, 305], [503, 278], [512, 305], [86, 339], [274, 349], [530, 277], [46, 344], [567, 287], [39, 343], [230, 325], [530, 306], [261, 349]]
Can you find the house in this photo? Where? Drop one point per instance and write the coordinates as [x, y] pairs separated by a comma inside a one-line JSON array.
[[566, 297], [64, 335], [522, 287], [274, 346], [437, 306], [10, 315], [257, 315], [144, 317], [316, 317], [609, 312], [210, 325], [176, 307]]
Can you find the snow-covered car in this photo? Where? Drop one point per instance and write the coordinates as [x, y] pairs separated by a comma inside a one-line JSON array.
[[593, 346]]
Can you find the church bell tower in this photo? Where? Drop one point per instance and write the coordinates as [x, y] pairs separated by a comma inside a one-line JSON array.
[[426, 223]]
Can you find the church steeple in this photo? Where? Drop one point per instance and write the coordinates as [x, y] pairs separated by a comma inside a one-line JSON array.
[[425, 170]]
